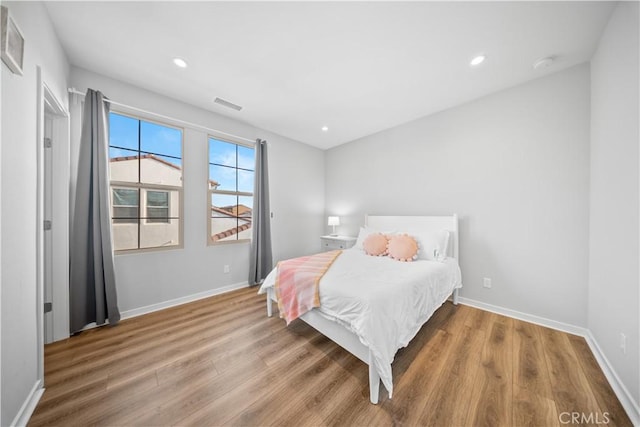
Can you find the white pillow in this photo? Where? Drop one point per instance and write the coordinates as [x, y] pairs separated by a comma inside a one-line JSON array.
[[433, 244], [363, 234]]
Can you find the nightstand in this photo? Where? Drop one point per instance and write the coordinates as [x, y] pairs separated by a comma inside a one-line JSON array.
[[331, 243]]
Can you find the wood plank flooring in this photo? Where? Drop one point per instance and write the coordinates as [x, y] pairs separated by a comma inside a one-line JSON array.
[[221, 361]]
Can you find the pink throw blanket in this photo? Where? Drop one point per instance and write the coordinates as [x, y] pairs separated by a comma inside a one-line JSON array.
[[297, 283]]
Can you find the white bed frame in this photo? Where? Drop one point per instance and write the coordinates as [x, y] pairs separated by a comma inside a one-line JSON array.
[[347, 339]]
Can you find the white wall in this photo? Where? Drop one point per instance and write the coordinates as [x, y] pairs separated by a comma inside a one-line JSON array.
[[18, 179], [2, 71], [614, 279], [297, 201], [514, 165]]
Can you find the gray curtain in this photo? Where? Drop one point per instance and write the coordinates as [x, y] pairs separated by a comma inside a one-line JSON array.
[[261, 259], [92, 287]]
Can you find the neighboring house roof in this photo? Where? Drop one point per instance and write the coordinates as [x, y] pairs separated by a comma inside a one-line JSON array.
[[145, 156], [212, 183], [237, 210], [228, 212], [231, 231]]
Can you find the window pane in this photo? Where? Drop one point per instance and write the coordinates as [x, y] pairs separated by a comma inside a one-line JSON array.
[[125, 197], [125, 235], [158, 235], [245, 206], [158, 139], [245, 181], [227, 229], [123, 165], [157, 215], [123, 131], [157, 206], [223, 205], [246, 157], [125, 215], [222, 153], [158, 199], [222, 176], [160, 170], [125, 206]]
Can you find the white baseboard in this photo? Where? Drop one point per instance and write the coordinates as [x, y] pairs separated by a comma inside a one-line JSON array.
[[625, 398], [542, 321], [182, 300], [627, 401], [29, 405]]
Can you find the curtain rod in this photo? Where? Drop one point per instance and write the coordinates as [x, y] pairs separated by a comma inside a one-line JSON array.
[[74, 91]]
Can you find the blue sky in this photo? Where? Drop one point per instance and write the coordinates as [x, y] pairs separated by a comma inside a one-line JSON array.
[[163, 141], [224, 158]]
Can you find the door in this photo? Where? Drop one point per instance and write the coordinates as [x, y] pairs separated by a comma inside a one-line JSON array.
[[54, 200]]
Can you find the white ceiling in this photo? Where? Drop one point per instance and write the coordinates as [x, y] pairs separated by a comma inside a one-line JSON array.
[[357, 68]]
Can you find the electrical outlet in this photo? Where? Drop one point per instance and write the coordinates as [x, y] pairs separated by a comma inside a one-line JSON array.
[[623, 343], [486, 283], [226, 268]]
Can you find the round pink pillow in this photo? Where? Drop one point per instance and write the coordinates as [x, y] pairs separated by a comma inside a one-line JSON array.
[[403, 247], [375, 244]]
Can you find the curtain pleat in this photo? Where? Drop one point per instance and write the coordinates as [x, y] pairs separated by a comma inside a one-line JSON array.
[[261, 258], [92, 287]]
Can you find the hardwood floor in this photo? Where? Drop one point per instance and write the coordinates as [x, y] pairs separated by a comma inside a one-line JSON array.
[[221, 361]]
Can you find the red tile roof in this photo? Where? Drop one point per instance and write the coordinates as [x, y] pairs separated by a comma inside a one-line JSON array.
[[145, 156], [231, 232]]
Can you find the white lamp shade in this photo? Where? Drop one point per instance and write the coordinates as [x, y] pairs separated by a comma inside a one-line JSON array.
[[334, 220]]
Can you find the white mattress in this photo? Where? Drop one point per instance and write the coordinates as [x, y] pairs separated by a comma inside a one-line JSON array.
[[383, 301]]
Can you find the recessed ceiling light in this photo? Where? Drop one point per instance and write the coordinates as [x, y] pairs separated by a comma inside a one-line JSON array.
[[180, 62], [477, 60], [325, 128]]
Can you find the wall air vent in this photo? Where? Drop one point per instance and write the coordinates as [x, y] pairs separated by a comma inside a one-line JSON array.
[[227, 104]]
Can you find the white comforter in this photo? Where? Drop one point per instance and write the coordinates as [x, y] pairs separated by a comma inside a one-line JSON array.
[[383, 301]]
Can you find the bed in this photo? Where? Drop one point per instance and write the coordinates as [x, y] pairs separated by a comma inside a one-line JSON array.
[[373, 306]]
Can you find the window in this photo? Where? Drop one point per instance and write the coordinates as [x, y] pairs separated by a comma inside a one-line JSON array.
[[146, 182], [125, 206], [157, 206], [231, 172]]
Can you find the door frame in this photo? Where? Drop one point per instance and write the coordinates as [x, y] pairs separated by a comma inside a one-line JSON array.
[[49, 104]]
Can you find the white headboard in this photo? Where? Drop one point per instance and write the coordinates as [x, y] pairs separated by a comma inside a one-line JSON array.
[[413, 224]]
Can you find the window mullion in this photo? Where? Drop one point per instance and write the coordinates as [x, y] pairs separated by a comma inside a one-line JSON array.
[[139, 159], [139, 208]]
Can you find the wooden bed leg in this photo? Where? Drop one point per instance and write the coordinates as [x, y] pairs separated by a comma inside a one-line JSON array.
[[269, 302], [374, 381], [455, 296]]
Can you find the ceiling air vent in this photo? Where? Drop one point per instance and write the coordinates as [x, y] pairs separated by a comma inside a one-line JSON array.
[[227, 104]]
